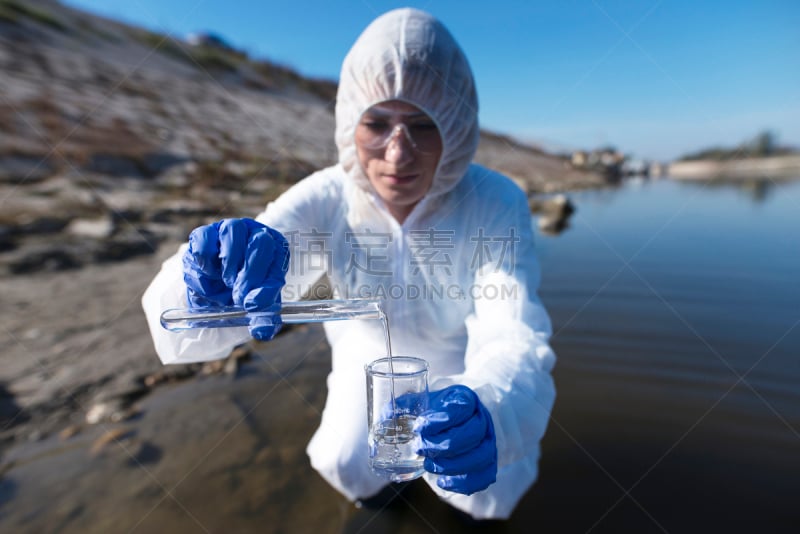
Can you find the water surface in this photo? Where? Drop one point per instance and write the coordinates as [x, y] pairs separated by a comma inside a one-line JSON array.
[[676, 309]]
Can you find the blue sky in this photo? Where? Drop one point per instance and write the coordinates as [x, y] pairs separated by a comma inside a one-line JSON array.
[[656, 78]]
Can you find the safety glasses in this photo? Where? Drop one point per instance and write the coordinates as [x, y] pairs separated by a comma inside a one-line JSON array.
[[379, 127]]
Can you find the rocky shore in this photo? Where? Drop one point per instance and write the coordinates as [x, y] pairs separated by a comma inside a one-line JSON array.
[[742, 168]]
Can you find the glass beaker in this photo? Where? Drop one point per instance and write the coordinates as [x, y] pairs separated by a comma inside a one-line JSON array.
[[397, 392]]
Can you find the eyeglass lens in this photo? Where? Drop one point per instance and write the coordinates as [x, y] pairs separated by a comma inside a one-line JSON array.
[[377, 129]]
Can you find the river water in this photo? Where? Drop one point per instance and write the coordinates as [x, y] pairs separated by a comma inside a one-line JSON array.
[[676, 309], [676, 313]]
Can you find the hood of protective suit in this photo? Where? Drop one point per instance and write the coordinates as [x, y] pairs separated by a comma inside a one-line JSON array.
[[408, 55]]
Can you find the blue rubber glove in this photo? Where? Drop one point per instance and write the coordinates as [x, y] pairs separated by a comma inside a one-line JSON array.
[[458, 440], [237, 262]]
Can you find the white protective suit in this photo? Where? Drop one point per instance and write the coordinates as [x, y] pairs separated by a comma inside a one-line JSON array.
[[458, 278]]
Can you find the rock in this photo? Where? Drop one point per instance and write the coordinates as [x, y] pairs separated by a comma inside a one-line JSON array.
[[111, 411], [153, 380], [171, 373], [93, 228], [6, 239], [126, 246], [101, 412], [24, 169], [47, 258], [179, 175], [552, 226], [41, 225], [114, 402], [69, 432], [127, 215], [242, 352], [213, 367], [80, 245], [155, 163], [126, 414], [114, 165], [237, 168], [170, 211], [231, 367], [32, 333], [554, 213], [556, 206], [128, 387], [112, 436]]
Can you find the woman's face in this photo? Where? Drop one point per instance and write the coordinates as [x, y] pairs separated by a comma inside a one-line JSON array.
[[399, 147]]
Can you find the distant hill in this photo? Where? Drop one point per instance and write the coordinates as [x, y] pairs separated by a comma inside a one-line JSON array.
[[85, 86], [763, 145], [759, 158]]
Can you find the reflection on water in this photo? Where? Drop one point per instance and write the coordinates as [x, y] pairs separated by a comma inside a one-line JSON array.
[[757, 189], [676, 312]]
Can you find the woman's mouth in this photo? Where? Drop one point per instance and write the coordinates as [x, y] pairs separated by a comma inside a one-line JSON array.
[[400, 178]]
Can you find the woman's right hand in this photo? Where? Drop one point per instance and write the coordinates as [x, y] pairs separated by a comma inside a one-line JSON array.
[[237, 262]]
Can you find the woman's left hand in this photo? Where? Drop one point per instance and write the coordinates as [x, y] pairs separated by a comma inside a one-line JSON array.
[[458, 440]]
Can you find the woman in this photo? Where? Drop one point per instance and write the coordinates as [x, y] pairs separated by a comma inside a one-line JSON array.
[[405, 216]]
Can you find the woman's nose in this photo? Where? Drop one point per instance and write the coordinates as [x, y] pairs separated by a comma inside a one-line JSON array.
[[400, 149]]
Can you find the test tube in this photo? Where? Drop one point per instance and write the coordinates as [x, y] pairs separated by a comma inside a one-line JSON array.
[[308, 311]]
